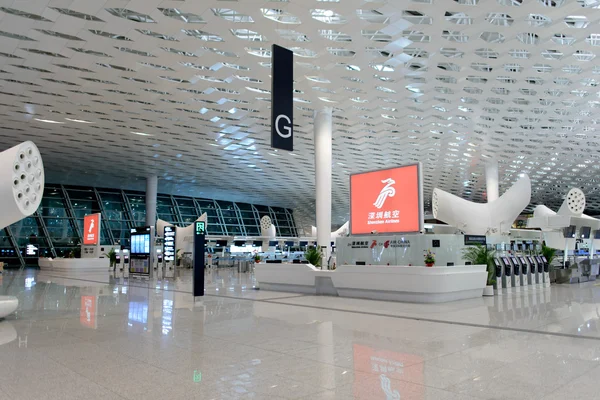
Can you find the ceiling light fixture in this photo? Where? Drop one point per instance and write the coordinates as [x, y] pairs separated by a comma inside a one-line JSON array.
[[49, 121]]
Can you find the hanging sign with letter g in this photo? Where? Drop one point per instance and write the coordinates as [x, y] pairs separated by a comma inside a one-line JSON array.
[[282, 101]]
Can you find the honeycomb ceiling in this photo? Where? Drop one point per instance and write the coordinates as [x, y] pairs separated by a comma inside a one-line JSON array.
[[114, 91]]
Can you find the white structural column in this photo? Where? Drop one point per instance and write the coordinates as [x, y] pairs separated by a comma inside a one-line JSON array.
[[151, 193], [491, 181], [323, 160]]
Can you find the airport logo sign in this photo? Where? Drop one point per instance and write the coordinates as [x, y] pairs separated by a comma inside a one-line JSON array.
[[388, 190], [282, 100], [386, 201], [91, 229]]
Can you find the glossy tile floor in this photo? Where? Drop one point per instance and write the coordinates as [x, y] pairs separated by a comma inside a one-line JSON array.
[[120, 338]]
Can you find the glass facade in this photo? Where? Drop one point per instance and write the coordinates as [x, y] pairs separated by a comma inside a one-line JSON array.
[[56, 226]]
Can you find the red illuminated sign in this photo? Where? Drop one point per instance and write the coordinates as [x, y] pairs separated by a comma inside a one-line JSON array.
[[91, 229], [386, 201]]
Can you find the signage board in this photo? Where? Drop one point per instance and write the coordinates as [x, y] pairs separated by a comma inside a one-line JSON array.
[[169, 236], [199, 249], [282, 100], [91, 229], [141, 250], [474, 240], [387, 201], [200, 228]]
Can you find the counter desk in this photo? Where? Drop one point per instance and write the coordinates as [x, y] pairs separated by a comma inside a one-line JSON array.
[[74, 266], [395, 283]]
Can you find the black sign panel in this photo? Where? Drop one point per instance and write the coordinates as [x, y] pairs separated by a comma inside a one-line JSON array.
[[282, 101], [199, 247], [473, 240]]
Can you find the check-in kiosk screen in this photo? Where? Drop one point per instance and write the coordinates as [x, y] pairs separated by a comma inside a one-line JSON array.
[[544, 259], [140, 243], [498, 267], [506, 266], [531, 261], [597, 234], [585, 232], [515, 263], [523, 264]]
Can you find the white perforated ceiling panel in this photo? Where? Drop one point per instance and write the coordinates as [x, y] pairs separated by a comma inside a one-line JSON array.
[[120, 89]]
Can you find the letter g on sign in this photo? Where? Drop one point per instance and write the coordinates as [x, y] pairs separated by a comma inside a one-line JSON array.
[[286, 127]]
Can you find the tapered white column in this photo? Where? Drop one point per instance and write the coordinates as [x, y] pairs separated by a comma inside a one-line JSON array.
[[151, 192], [323, 160], [491, 181]]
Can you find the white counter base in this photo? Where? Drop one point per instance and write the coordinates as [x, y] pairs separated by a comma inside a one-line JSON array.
[[74, 266], [8, 305], [392, 283]]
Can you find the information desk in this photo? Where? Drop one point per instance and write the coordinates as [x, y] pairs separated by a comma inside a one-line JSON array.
[[377, 282], [74, 266]]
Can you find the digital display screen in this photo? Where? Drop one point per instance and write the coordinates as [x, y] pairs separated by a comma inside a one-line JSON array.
[[539, 259], [506, 262], [522, 259], [273, 243], [514, 261], [544, 259], [597, 234], [386, 201], [140, 243]]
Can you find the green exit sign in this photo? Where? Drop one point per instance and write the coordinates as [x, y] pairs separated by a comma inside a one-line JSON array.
[[200, 227]]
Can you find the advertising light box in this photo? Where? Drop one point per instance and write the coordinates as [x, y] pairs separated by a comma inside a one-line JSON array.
[[91, 228], [387, 201]]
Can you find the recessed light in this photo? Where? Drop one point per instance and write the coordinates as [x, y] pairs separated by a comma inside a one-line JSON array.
[[141, 133], [49, 121], [79, 120]]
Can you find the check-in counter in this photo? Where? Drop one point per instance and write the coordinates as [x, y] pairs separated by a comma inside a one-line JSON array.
[[74, 266], [396, 283]]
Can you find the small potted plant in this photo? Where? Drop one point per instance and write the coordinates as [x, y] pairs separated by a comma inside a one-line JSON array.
[[429, 258], [112, 258], [313, 256], [256, 258]]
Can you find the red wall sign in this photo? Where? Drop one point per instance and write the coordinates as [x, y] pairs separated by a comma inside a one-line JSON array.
[[386, 201], [91, 229]]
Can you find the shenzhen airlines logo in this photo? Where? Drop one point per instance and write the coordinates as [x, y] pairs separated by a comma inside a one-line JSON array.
[[387, 191], [91, 226]]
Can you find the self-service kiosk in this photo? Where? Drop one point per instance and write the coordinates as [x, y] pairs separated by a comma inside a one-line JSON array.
[[125, 266], [546, 269], [525, 270], [540, 270], [119, 260], [508, 276], [535, 278], [499, 284], [518, 272]]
